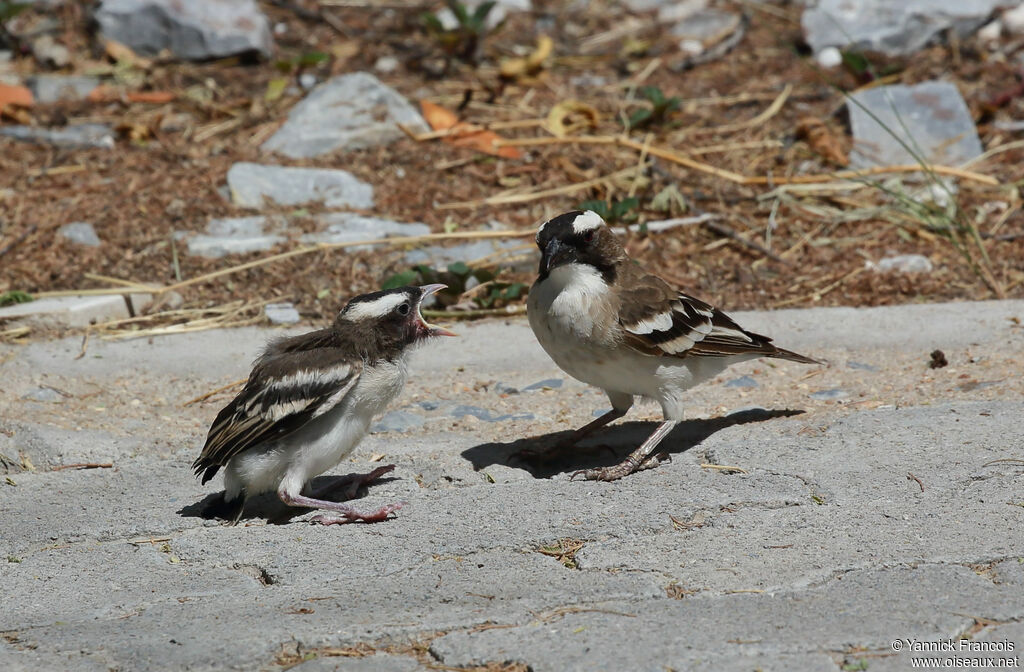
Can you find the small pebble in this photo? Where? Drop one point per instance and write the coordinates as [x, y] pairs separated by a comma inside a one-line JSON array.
[[860, 365], [826, 395], [82, 233], [742, 381], [829, 57], [398, 421], [548, 383], [44, 394]]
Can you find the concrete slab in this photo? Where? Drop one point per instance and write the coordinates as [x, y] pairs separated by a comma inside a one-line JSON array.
[[846, 523]]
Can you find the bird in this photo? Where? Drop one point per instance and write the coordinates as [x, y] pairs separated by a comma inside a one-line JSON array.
[[309, 401], [607, 322]]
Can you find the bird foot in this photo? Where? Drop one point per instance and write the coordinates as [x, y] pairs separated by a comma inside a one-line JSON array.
[[352, 515], [624, 468]]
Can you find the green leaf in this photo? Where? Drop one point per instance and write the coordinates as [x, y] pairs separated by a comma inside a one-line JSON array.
[[312, 58], [9, 10], [672, 104], [431, 22], [482, 10], [483, 275], [400, 280], [640, 117], [513, 291], [600, 207], [459, 10], [14, 296], [459, 268], [652, 93], [624, 206], [284, 67], [856, 62]]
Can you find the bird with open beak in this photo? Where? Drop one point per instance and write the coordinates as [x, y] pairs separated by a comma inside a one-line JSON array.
[[309, 401], [607, 322]]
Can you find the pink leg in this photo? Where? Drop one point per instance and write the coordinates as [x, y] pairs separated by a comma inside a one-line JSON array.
[[346, 513], [352, 482]]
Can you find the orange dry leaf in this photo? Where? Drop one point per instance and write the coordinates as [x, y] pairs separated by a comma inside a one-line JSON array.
[[465, 135], [155, 97], [15, 95], [822, 140]]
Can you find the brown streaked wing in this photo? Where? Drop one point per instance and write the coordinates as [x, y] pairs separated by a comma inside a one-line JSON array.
[[285, 391]]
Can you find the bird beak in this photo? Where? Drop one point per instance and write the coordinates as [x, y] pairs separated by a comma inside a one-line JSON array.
[[426, 328], [556, 254]]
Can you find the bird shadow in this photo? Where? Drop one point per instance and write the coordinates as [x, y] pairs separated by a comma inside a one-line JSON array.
[[268, 505], [612, 444]]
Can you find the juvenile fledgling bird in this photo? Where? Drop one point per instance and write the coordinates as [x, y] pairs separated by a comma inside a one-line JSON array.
[[310, 399], [608, 323]]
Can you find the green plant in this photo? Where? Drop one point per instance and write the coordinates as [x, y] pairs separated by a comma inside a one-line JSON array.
[[9, 10], [465, 40], [613, 211], [289, 67], [484, 288], [658, 112], [14, 296]]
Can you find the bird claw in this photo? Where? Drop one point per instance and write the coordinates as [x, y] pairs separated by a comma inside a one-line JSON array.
[[353, 516], [603, 474]]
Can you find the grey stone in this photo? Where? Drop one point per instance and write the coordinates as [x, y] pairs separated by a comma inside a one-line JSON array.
[[45, 394], [931, 118], [904, 263], [73, 311], [189, 29], [386, 64], [547, 383], [53, 88], [236, 235], [707, 26], [81, 135], [308, 80], [252, 184], [861, 366], [438, 256], [890, 27], [281, 313], [742, 381], [347, 227], [429, 405], [81, 233], [462, 410], [352, 111], [398, 421], [503, 388], [826, 395]]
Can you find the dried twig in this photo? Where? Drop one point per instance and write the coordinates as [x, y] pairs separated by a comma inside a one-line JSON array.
[[724, 230], [502, 199], [84, 465], [911, 477], [223, 388], [767, 114]]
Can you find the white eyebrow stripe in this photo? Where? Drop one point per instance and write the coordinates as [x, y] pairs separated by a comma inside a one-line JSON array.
[[588, 221], [376, 308]]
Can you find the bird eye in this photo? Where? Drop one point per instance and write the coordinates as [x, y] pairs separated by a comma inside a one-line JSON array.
[[588, 237], [404, 309]]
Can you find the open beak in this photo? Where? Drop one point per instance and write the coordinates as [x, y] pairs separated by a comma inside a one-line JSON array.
[[555, 254], [426, 328]]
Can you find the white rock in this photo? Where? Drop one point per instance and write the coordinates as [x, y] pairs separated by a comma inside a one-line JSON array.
[[82, 233], [74, 311], [903, 263], [81, 135], [386, 64], [281, 313], [991, 32], [253, 184], [1013, 20], [352, 111], [829, 57], [189, 29]]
